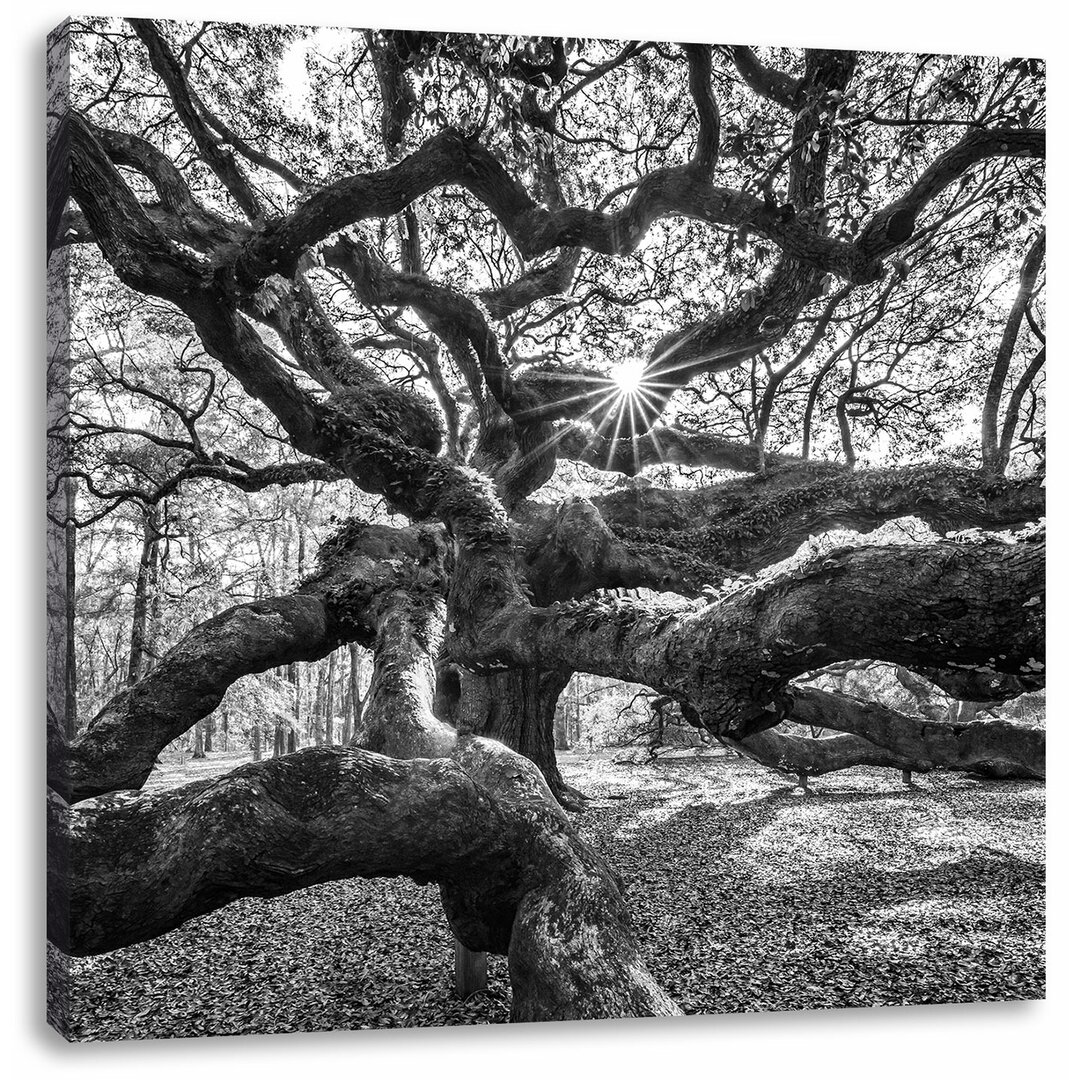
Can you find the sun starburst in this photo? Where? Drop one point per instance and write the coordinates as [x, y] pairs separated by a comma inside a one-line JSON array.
[[627, 377]]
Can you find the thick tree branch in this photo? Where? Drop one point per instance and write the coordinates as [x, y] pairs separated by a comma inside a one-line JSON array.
[[1016, 400], [202, 229], [234, 473], [136, 247], [568, 551], [707, 148], [816, 757], [473, 344], [363, 439], [776, 85], [995, 747], [445, 311], [750, 524], [890, 227], [481, 823], [220, 161], [57, 184], [963, 605], [399, 721], [719, 342], [537, 283], [451, 158], [121, 744]]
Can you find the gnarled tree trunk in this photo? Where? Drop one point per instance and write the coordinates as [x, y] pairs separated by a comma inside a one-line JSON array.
[[516, 878], [517, 708]]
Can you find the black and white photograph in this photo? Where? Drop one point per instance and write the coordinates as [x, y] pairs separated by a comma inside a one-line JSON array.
[[539, 528]]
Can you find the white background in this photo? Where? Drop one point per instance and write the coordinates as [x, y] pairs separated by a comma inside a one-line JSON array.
[[1023, 1040]]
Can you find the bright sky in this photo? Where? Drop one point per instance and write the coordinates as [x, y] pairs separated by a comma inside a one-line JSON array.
[[292, 68]]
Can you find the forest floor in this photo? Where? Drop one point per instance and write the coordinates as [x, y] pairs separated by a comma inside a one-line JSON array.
[[747, 895]]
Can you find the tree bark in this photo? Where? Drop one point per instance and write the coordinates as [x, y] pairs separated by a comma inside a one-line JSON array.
[[341, 603], [997, 748], [470, 971], [518, 709], [960, 606], [516, 878], [352, 714], [749, 524], [120, 745], [815, 757]]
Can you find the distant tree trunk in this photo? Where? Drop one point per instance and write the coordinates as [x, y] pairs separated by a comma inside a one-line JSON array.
[[346, 715], [292, 673], [347, 701], [279, 723], [562, 736], [286, 553], [656, 740], [155, 589], [256, 742], [147, 558], [297, 675], [315, 722], [197, 750], [225, 724], [71, 703], [577, 709], [355, 705], [279, 737], [331, 672], [208, 727]]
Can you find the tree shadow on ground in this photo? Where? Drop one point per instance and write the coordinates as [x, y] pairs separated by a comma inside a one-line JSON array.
[[843, 898]]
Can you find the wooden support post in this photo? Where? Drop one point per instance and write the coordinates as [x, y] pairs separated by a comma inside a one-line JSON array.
[[470, 971]]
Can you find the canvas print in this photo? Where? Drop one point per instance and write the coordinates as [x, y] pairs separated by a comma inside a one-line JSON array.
[[538, 528]]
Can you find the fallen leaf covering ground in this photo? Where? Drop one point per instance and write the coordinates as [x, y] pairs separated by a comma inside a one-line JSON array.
[[747, 895]]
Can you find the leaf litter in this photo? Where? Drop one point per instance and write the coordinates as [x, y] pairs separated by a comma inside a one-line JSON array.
[[746, 896]]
